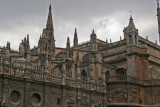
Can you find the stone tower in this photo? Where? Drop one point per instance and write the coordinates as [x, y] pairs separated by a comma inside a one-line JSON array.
[[47, 41], [131, 34]]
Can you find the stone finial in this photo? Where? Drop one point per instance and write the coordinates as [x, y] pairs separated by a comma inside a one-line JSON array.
[[28, 38], [25, 39], [93, 31], [8, 45], [110, 40], [93, 36], [68, 48], [147, 37], [107, 41]]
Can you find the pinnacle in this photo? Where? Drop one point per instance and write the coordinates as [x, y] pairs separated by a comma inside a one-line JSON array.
[[75, 33], [50, 7], [93, 31], [49, 20], [67, 39], [75, 30]]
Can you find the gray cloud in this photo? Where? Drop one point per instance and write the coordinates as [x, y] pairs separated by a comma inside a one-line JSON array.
[[22, 17]]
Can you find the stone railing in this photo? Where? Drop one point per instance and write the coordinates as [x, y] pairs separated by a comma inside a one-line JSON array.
[[128, 79], [26, 73], [114, 44]]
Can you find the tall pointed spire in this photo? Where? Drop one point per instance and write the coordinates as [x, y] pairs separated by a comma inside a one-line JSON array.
[[93, 36], [75, 41], [68, 42], [49, 20], [75, 33]]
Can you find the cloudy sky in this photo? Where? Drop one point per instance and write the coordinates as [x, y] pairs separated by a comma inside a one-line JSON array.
[[108, 17]]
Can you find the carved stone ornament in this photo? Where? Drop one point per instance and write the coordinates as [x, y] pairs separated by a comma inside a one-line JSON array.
[[85, 100], [157, 96], [125, 96], [119, 94], [70, 101]]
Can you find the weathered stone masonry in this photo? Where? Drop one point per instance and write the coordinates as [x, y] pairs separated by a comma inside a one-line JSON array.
[[95, 73]]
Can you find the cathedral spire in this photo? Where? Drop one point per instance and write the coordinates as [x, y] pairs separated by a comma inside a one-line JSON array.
[[49, 20]]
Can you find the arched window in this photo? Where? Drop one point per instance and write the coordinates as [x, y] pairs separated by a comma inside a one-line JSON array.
[[84, 75], [121, 72], [107, 74], [85, 58]]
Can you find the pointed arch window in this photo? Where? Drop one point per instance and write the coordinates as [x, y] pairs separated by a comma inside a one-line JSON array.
[[130, 39], [121, 72]]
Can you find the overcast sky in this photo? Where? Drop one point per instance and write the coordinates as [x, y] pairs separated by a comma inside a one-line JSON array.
[[108, 17]]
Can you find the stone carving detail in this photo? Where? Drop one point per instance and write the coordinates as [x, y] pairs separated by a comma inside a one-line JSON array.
[[15, 97], [132, 95], [35, 99], [157, 96], [85, 101], [125, 96], [119, 94], [70, 100], [96, 102]]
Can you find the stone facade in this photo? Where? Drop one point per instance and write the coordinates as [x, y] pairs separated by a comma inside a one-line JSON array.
[[92, 74]]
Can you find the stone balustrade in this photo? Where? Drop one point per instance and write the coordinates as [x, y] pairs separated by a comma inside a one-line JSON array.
[[125, 79], [26, 73]]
